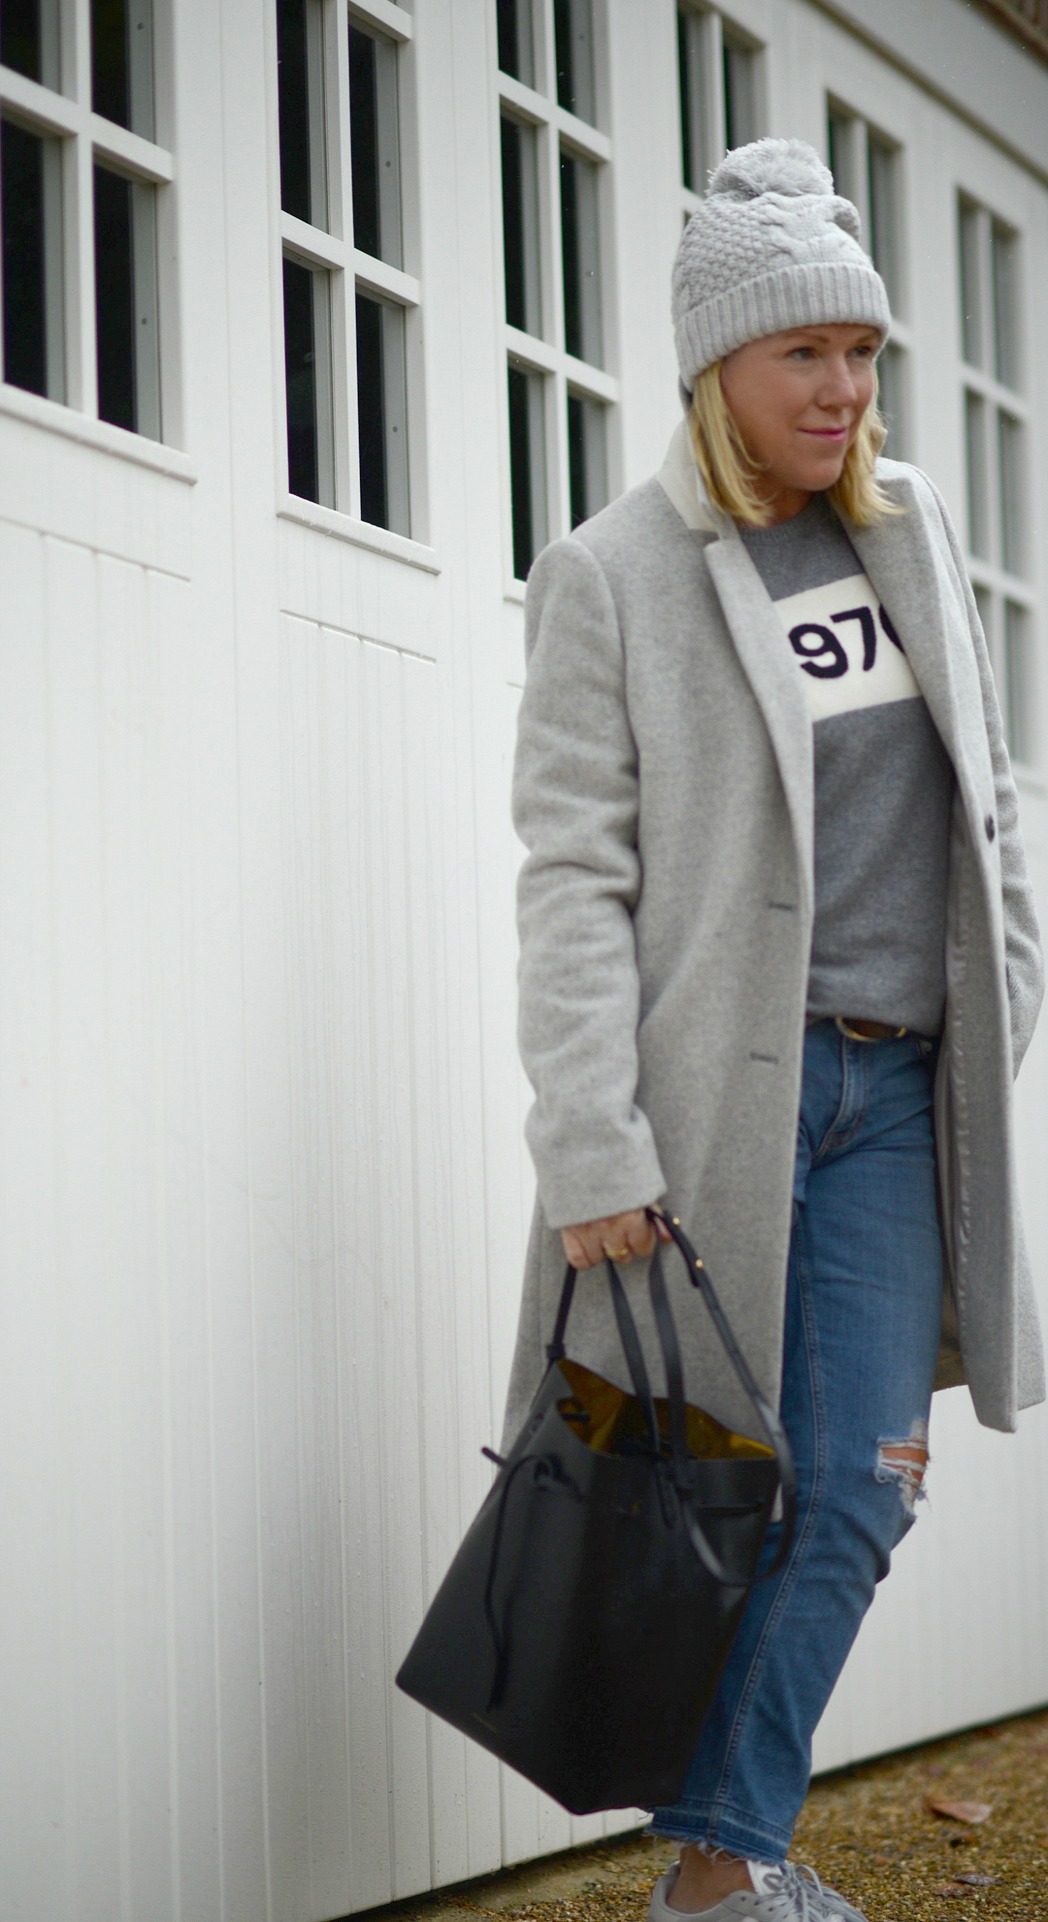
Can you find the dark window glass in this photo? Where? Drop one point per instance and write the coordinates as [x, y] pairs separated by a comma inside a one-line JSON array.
[[1011, 491], [300, 377], [569, 238], [978, 479], [293, 87], [883, 239], [110, 67], [683, 81], [1018, 706], [891, 399], [1004, 277], [740, 114], [971, 305], [521, 477], [21, 34], [363, 123], [25, 287], [572, 28], [513, 242], [374, 492], [115, 299], [587, 461], [579, 243], [516, 55], [122, 63], [834, 152], [374, 144], [577, 460]]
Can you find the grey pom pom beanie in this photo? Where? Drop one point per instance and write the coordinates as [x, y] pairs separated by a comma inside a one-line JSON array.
[[773, 246]]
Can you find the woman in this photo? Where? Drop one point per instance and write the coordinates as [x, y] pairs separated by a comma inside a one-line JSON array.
[[778, 945]]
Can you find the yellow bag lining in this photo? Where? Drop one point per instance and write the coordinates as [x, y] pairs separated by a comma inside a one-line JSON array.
[[607, 1418]]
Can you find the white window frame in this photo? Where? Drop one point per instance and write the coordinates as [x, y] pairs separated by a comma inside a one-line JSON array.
[[708, 28], [86, 139], [996, 584], [543, 354], [349, 271]]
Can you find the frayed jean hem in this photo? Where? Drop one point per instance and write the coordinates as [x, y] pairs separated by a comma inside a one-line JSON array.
[[721, 1827]]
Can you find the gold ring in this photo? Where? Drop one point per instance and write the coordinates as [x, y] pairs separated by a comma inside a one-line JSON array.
[[617, 1254]]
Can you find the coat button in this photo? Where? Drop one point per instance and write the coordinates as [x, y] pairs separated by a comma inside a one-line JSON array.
[[991, 827]]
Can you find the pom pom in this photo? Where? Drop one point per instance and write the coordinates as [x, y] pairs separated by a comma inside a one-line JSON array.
[[771, 167]]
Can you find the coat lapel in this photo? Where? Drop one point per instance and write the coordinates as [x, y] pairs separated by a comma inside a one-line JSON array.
[[777, 687], [755, 630], [913, 584]]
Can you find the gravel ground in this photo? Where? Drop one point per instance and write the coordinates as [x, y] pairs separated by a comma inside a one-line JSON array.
[[867, 1830]]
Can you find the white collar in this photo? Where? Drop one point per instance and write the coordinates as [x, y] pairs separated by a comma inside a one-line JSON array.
[[681, 480]]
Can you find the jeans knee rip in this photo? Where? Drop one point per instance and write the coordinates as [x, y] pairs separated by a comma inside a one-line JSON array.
[[905, 1462]]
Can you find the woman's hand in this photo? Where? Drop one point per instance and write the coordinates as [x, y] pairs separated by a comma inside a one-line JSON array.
[[618, 1237]]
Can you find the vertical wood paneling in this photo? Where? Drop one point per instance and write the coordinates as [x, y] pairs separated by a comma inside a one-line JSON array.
[[33, 1612]]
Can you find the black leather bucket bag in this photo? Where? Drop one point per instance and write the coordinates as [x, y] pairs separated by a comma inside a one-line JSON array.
[[582, 1627]]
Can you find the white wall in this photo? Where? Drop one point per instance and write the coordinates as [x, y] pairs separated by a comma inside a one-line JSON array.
[[263, 1195]]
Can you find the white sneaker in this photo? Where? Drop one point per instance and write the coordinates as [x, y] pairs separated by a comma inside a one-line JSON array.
[[784, 1893]]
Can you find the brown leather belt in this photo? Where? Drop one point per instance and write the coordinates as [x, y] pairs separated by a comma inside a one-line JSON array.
[[867, 1030]]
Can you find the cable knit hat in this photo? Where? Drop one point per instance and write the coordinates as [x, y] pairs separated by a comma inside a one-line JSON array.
[[773, 246]]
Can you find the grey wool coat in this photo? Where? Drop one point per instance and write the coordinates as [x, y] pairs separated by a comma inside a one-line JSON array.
[[663, 790]]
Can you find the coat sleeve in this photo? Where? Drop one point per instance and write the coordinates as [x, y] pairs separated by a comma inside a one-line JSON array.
[[575, 807], [1024, 958]]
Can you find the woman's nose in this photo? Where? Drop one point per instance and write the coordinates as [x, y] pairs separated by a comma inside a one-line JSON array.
[[839, 387]]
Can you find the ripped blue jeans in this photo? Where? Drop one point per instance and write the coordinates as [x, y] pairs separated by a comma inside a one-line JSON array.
[[863, 1310]]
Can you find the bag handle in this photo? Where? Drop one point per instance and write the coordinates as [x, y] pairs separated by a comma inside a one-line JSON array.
[[666, 1330], [769, 1420]]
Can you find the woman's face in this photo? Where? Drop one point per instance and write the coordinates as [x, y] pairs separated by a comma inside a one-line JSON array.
[[797, 399]]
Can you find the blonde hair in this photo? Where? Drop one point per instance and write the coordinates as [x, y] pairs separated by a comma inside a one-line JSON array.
[[728, 469]]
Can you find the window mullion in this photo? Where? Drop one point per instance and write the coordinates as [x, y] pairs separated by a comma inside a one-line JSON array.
[[552, 264], [81, 255], [82, 375], [344, 355]]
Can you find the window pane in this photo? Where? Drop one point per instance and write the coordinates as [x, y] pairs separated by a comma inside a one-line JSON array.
[[527, 466], [1017, 698], [840, 146], [984, 604], [382, 415], [520, 226], [516, 40], [374, 144], [30, 166], [1005, 300], [307, 383], [978, 483], [580, 249], [1009, 473], [694, 124], [740, 94], [122, 63], [883, 203], [573, 31], [126, 303], [587, 458], [300, 49], [971, 304], [29, 39], [891, 399]]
